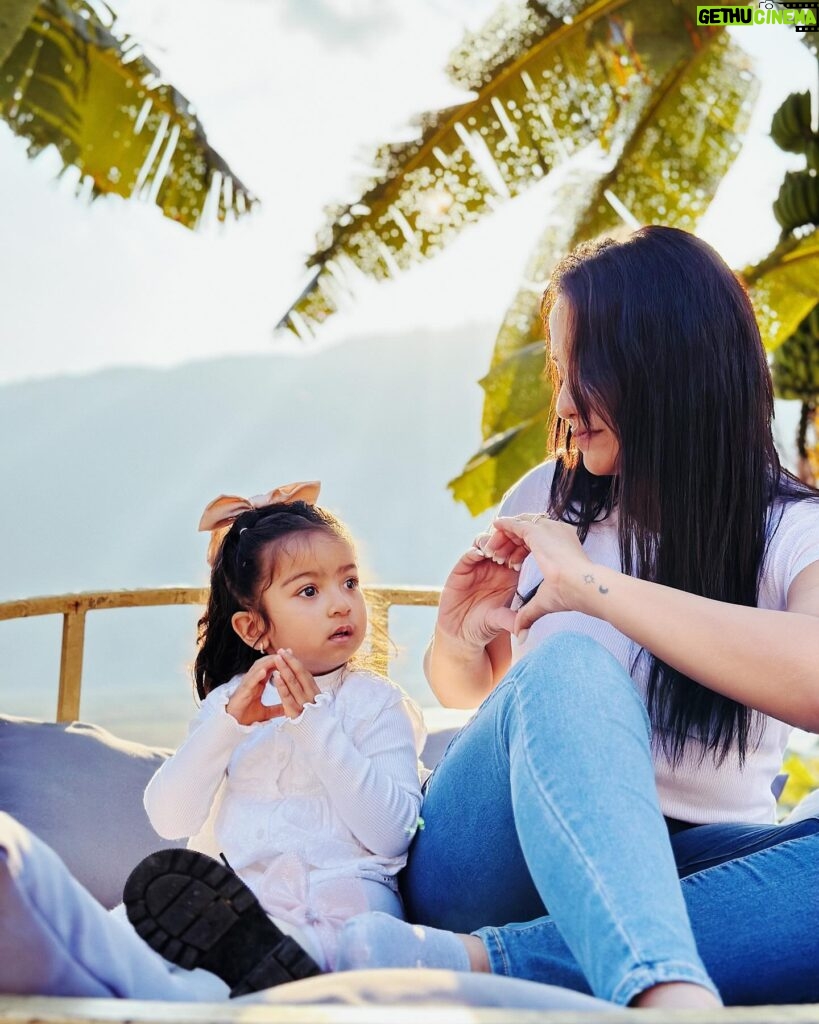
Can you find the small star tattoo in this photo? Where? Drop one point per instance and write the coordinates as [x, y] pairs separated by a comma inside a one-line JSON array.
[[588, 578], [603, 590]]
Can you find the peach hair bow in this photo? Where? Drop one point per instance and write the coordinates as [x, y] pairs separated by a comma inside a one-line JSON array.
[[221, 513]]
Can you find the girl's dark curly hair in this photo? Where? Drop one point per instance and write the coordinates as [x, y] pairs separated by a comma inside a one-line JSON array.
[[241, 572]]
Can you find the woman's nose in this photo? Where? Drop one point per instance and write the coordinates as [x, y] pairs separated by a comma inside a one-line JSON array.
[[564, 406]]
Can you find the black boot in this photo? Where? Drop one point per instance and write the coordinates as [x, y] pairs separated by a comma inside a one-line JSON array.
[[198, 913]]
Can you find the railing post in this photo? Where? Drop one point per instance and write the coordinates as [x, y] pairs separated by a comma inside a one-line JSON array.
[[68, 697], [379, 612]]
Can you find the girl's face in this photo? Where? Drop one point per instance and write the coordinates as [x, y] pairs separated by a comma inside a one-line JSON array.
[[597, 442], [313, 604]]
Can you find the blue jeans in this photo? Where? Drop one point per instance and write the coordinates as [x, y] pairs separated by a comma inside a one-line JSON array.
[[547, 798]]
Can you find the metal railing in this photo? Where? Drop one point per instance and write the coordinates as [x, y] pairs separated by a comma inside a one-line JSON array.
[[75, 607]]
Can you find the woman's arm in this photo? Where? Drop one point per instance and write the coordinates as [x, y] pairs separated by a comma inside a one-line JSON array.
[[461, 676], [765, 659], [470, 650]]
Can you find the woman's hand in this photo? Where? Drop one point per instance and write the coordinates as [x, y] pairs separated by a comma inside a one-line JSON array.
[[559, 556], [474, 605], [295, 684], [245, 703]]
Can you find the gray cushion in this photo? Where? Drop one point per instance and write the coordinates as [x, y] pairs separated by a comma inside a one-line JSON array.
[[79, 788], [437, 742]]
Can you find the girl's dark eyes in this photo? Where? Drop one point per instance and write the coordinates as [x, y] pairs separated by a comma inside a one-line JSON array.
[[351, 583], [308, 591]]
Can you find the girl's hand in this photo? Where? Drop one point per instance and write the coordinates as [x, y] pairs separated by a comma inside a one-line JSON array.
[[558, 553], [474, 605], [295, 684], [245, 703]]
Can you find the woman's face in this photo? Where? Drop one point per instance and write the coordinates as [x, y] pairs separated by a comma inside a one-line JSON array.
[[597, 442]]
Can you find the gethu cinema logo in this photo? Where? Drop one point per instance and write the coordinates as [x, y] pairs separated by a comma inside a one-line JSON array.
[[802, 16]]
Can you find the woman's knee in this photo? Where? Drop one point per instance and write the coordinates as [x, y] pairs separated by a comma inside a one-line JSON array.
[[575, 668], [572, 659]]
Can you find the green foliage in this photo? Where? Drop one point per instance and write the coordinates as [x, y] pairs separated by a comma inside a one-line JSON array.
[[784, 287], [14, 17], [544, 87], [803, 778], [681, 138], [796, 362], [660, 104], [791, 129], [786, 293], [798, 201], [71, 83]]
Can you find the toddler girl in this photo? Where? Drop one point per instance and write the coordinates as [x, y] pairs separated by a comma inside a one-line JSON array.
[[303, 765]]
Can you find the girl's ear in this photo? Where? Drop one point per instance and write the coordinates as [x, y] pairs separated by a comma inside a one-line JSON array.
[[246, 626]]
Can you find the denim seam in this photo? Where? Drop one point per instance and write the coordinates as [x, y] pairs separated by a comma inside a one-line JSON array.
[[570, 836], [496, 935], [646, 976], [500, 951]]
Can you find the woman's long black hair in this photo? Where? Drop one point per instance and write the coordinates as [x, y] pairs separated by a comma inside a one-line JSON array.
[[241, 571], [663, 345]]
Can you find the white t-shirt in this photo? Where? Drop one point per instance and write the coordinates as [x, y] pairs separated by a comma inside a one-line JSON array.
[[695, 790], [301, 807]]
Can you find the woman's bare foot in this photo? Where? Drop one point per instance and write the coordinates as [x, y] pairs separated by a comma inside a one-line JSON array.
[[679, 994]]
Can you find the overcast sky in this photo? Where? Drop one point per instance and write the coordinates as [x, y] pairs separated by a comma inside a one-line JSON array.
[[291, 92]]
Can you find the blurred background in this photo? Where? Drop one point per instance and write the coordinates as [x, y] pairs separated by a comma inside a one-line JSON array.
[[223, 332]]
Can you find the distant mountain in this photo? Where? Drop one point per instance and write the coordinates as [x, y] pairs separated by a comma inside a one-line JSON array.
[[105, 477]]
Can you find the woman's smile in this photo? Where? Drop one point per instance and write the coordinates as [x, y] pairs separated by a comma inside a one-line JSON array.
[[584, 436]]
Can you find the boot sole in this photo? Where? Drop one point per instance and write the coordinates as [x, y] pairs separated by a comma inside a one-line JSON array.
[[197, 913]]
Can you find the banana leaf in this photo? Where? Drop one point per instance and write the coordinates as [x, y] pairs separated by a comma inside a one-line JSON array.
[[784, 287], [543, 87], [14, 17], [71, 83], [667, 172]]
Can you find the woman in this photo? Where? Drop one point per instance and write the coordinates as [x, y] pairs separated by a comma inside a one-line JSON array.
[[665, 638]]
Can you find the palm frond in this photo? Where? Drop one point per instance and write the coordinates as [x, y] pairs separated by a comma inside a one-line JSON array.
[[784, 287], [14, 17], [71, 83], [544, 86], [685, 139]]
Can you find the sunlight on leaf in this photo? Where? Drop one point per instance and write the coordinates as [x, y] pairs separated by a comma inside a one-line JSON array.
[[666, 170], [784, 287], [543, 88], [71, 83], [503, 460], [14, 18]]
